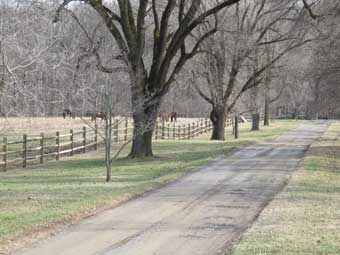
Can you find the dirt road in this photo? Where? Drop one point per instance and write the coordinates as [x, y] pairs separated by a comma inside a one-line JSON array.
[[201, 214]]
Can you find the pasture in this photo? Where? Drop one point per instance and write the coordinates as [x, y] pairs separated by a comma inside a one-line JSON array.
[[40, 198], [15, 127], [22, 144]]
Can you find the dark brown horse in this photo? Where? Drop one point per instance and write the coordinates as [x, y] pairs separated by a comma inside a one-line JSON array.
[[173, 116], [68, 112], [98, 115]]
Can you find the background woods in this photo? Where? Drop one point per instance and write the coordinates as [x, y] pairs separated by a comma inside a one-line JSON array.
[[68, 54]]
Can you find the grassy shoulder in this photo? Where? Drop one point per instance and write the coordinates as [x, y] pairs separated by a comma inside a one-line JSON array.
[[57, 193], [305, 217]]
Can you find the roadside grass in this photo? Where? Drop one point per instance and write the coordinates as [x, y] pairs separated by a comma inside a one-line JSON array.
[[61, 192], [305, 217]]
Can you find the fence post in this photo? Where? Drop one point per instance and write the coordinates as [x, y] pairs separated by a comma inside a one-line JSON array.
[[194, 129], [233, 126], [185, 132], [203, 126], [163, 130], [156, 131], [168, 126], [95, 136], [189, 132], [199, 127], [126, 129], [115, 131], [71, 138], [236, 127], [57, 141], [4, 150], [42, 144], [84, 139], [24, 150]]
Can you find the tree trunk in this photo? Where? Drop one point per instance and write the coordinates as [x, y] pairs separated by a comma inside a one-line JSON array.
[[266, 112], [294, 115], [144, 123], [108, 163], [255, 122], [218, 118], [236, 127], [142, 145], [108, 144]]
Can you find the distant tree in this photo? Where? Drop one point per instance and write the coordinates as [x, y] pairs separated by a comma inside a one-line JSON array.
[[235, 57], [324, 67]]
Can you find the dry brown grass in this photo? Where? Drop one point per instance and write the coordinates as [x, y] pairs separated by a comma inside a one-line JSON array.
[[17, 126]]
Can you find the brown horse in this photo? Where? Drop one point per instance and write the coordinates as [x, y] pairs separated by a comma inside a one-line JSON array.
[[98, 115], [68, 112], [173, 116], [165, 116]]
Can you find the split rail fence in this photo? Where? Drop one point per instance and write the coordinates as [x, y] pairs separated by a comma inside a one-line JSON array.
[[39, 148]]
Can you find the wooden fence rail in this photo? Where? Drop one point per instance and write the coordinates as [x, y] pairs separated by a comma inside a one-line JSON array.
[[37, 149]]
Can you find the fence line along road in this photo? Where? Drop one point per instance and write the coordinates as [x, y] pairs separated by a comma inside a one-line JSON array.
[[38, 149]]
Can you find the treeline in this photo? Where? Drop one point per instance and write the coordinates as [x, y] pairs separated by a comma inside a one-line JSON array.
[[46, 67], [196, 58]]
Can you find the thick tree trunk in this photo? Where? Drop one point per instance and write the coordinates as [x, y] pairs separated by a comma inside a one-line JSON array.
[[142, 145], [255, 122], [266, 112], [218, 118], [144, 123]]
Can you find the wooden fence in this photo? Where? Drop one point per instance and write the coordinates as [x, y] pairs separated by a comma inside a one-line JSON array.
[[37, 149]]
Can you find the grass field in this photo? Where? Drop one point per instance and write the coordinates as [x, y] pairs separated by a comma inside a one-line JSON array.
[[58, 192], [305, 217], [15, 127]]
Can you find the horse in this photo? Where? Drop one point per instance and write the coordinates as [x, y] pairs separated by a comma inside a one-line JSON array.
[[173, 116], [165, 116], [68, 112], [100, 115]]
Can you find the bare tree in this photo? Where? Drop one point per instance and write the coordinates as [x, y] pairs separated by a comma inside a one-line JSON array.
[[239, 46], [131, 25]]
